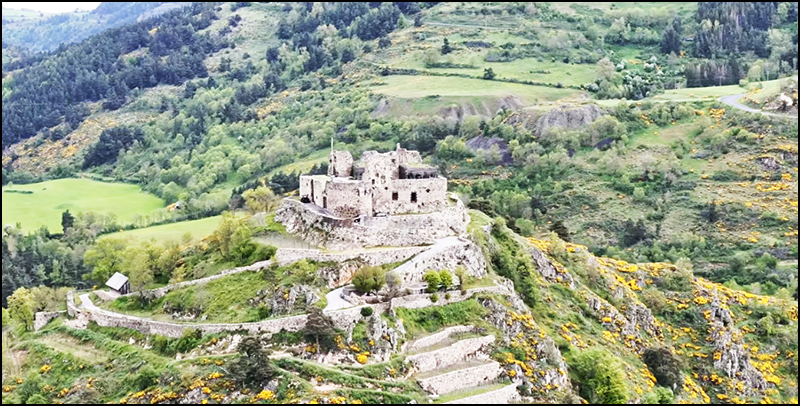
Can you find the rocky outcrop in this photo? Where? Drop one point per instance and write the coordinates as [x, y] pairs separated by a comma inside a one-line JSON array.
[[461, 379], [287, 300], [733, 358], [570, 117], [448, 253], [310, 224], [347, 263]]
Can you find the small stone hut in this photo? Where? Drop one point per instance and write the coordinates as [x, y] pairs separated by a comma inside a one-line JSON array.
[[119, 283]]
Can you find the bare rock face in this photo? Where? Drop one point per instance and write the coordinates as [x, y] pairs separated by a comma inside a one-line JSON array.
[[285, 301], [568, 117], [550, 271], [385, 338], [733, 359]]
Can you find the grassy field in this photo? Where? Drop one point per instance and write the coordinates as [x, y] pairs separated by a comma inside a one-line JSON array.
[[518, 69], [704, 93], [421, 86], [49, 199], [171, 232]]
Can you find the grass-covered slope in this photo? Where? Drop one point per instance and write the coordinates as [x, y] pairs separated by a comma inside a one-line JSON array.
[[41, 204]]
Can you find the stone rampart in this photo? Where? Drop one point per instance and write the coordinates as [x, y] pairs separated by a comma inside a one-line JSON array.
[[40, 319], [503, 396], [461, 379], [436, 338], [452, 354], [312, 225]]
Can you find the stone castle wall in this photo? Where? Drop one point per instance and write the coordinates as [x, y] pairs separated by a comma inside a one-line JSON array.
[[390, 231], [344, 197], [342, 319], [423, 301], [340, 164]]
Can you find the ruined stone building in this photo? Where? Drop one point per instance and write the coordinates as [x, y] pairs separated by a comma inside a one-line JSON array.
[[390, 183]]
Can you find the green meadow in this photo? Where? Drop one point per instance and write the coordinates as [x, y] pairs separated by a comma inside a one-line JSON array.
[[421, 86], [171, 232], [43, 207]]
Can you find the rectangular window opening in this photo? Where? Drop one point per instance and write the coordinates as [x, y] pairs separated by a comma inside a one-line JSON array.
[[413, 197], [394, 195]]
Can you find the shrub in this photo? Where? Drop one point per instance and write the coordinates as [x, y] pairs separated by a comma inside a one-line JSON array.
[[147, 377], [654, 299], [253, 367], [447, 296], [765, 326], [665, 365], [601, 376], [366, 311], [445, 278], [369, 279], [433, 280], [37, 399], [434, 298]]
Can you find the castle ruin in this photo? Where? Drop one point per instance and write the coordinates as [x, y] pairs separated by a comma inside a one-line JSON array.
[[390, 183], [386, 199]]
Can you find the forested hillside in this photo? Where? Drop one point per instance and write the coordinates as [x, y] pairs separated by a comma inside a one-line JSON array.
[[46, 32], [613, 128]]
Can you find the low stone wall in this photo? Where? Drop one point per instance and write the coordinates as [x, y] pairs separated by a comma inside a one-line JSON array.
[[343, 319], [436, 338], [40, 319], [461, 379], [424, 300], [503, 396], [369, 257], [452, 354], [159, 292]]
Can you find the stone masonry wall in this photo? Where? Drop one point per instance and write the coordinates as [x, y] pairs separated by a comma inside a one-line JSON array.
[[424, 300], [340, 164], [434, 339], [41, 319], [392, 231], [503, 396], [452, 354], [461, 379]]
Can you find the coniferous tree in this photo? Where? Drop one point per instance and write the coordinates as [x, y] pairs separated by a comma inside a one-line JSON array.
[[446, 48]]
